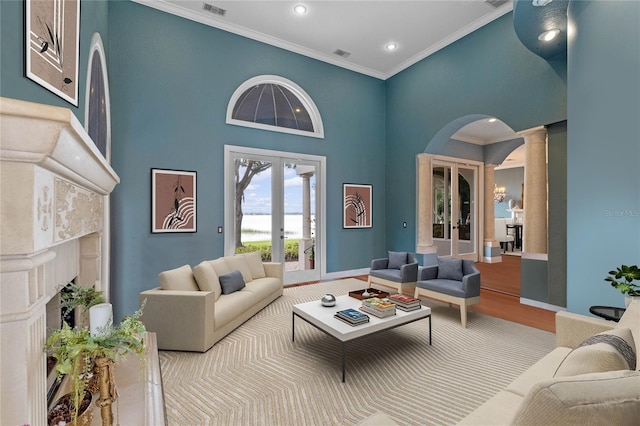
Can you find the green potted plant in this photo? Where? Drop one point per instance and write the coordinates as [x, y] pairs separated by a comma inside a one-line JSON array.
[[76, 349], [627, 280]]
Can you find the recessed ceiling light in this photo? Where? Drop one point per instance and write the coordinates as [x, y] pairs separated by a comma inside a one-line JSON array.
[[391, 46], [549, 35], [492, 120], [300, 9]]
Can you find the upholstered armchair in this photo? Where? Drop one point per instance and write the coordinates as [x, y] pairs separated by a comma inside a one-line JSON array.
[[398, 271], [455, 281]]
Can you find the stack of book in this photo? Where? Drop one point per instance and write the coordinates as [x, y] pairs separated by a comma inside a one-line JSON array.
[[378, 307], [405, 303], [352, 317]]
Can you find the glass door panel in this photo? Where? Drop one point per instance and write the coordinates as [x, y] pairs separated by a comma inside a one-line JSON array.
[[466, 217], [454, 209], [253, 230], [442, 209], [299, 221]]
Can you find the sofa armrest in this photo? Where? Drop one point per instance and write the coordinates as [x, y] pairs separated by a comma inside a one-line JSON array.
[[273, 269], [409, 272], [471, 284], [182, 320], [427, 273], [572, 329], [379, 264]]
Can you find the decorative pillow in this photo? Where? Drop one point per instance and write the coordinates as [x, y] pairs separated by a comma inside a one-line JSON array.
[[178, 279], [397, 259], [239, 263], [231, 282], [206, 278], [254, 260], [450, 269], [220, 266], [607, 351]]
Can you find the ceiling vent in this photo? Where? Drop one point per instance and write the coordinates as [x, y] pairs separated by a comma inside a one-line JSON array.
[[213, 9], [496, 3], [342, 53]]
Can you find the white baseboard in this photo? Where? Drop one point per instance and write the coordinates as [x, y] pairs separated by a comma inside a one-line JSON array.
[[345, 274], [541, 305], [495, 259]]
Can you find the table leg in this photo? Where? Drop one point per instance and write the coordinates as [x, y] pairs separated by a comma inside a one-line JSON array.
[[293, 327], [429, 330], [344, 357]]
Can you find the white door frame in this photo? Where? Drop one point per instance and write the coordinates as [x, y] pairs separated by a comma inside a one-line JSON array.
[[229, 194]]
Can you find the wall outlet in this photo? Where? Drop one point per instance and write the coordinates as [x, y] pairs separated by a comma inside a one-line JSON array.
[[219, 229], [404, 224]]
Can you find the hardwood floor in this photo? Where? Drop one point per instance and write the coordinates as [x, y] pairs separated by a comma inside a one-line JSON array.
[[499, 296]]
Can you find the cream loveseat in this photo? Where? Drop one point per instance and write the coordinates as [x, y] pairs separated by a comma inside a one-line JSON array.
[[571, 385], [194, 308], [586, 379]]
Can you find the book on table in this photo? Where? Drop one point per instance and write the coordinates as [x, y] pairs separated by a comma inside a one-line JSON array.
[[378, 304], [378, 307], [377, 313], [352, 316], [346, 321], [404, 302]]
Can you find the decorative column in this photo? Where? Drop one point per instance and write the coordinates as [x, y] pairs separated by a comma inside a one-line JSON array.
[[425, 205], [491, 246], [535, 190]]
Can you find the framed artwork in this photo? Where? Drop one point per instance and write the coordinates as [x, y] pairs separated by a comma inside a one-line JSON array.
[[358, 212], [52, 45], [173, 201]]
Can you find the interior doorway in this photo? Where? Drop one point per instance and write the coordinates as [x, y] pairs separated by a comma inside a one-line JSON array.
[[455, 210], [274, 204]]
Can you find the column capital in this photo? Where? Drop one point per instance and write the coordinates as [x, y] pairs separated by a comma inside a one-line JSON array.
[[534, 131]]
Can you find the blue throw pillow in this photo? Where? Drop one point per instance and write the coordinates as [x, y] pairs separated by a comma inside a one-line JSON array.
[[231, 282], [397, 259], [450, 269]]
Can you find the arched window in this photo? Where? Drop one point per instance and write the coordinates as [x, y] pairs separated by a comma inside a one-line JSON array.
[[98, 109], [274, 103]]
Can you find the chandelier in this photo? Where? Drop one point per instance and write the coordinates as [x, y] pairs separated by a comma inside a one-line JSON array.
[[499, 193]]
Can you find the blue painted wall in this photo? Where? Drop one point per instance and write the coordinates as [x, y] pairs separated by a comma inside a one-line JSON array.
[[171, 81], [14, 84], [487, 72], [603, 149]]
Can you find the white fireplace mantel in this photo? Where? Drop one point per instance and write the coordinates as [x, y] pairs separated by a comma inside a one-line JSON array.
[[53, 183]]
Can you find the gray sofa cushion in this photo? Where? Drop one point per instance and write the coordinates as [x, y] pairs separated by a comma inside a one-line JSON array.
[[450, 269], [397, 259], [231, 282], [450, 287]]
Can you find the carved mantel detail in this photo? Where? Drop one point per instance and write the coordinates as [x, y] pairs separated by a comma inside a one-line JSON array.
[[78, 211]]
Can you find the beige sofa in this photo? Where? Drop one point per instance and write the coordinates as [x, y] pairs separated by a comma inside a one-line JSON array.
[[190, 310], [590, 385], [573, 384]]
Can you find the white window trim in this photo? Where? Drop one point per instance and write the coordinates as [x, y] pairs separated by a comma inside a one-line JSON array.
[[105, 241], [306, 100]]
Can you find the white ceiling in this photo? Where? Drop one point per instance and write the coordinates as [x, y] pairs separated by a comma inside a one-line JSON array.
[[361, 27]]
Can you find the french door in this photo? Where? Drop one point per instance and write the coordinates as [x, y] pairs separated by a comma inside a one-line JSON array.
[[273, 204], [455, 209]]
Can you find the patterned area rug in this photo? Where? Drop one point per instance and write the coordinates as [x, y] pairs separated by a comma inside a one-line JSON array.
[[258, 376]]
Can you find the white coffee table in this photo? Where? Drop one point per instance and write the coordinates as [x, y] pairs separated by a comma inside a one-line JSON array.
[[322, 318]]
